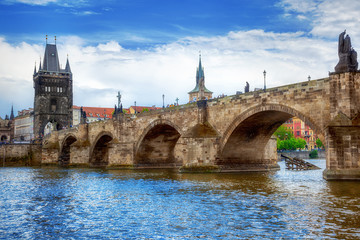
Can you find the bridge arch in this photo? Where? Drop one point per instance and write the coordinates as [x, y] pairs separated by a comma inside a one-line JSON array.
[[99, 152], [246, 137], [155, 146], [64, 156]]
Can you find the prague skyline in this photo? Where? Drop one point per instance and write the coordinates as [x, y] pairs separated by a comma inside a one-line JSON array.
[[146, 49]]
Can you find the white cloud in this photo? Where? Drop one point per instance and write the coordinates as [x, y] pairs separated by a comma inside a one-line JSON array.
[[31, 2], [63, 3], [301, 6], [333, 16], [328, 17], [144, 75], [111, 46]]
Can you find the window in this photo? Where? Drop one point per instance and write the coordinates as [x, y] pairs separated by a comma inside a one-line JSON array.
[[53, 104]]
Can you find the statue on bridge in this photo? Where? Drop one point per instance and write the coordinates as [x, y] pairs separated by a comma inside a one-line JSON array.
[[247, 87], [347, 55], [82, 116]]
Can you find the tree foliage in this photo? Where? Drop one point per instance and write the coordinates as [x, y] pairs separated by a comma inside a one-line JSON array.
[[287, 141], [291, 144], [319, 143], [313, 154], [283, 133]]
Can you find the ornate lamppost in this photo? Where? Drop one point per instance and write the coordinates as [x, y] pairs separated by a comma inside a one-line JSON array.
[[163, 96], [135, 107], [264, 80]]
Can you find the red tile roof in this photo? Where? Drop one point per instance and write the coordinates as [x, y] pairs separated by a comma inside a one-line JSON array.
[[99, 111]]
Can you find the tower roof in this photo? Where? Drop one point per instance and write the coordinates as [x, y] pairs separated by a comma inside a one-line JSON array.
[[67, 67], [200, 76], [51, 59], [12, 113]]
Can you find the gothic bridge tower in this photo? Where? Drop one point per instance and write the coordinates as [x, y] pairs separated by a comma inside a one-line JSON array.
[[53, 97], [200, 92]]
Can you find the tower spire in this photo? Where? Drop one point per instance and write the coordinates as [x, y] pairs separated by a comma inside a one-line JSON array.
[[35, 68], [12, 112], [67, 67]]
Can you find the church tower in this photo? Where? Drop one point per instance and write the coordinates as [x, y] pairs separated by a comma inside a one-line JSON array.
[[53, 97], [200, 92]]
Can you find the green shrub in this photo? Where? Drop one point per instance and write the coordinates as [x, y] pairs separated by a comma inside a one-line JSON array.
[[313, 154]]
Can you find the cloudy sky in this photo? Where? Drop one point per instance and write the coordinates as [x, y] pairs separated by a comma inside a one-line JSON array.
[[146, 48]]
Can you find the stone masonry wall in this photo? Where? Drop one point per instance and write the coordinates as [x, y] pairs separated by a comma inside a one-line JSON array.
[[19, 154]]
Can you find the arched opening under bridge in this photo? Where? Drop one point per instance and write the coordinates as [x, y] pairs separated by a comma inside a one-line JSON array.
[[64, 158], [156, 148], [247, 145], [100, 153]]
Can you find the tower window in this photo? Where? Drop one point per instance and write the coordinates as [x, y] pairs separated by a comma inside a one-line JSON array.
[[53, 104]]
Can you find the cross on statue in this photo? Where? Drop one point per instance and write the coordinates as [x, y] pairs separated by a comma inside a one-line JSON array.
[[119, 98]]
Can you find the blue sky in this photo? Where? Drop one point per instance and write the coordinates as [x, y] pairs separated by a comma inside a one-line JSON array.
[[146, 48], [137, 23]]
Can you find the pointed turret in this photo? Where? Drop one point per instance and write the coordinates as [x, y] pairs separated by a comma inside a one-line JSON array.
[[67, 67], [12, 113], [200, 71], [51, 59], [200, 91], [35, 69], [40, 65]]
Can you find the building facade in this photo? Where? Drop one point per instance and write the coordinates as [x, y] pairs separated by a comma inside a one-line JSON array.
[[24, 126], [302, 130], [53, 98], [200, 92], [93, 114], [7, 128]]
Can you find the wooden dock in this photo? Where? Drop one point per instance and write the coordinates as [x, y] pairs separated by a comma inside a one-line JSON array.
[[298, 164]]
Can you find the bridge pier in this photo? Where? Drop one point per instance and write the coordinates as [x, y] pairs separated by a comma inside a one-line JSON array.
[[79, 155], [342, 135], [121, 155], [342, 153]]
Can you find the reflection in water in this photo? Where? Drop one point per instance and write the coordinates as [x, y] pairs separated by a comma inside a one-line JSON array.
[[52, 203]]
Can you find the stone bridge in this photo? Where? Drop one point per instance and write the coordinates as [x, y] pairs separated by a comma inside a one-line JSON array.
[[225, 134]]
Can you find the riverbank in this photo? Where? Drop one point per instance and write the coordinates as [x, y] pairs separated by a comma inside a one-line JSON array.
[[302, 154]]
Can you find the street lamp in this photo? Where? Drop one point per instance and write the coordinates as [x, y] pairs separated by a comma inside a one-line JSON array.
[[163, 100], [309, 77], [177, 101], [135, 107], [264, 80]]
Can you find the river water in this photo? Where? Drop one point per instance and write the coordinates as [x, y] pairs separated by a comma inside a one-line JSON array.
[[55, 203]]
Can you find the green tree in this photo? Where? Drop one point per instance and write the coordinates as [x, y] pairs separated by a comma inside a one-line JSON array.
[[283, 133], [287, 141], [300, 143], [145, 110], [313, 154], [319, 143]]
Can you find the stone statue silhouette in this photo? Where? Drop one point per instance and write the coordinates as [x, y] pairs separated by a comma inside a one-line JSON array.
[[247, 87], [347, 55]]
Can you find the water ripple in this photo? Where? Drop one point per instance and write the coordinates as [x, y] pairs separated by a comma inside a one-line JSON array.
[[51, 203]]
